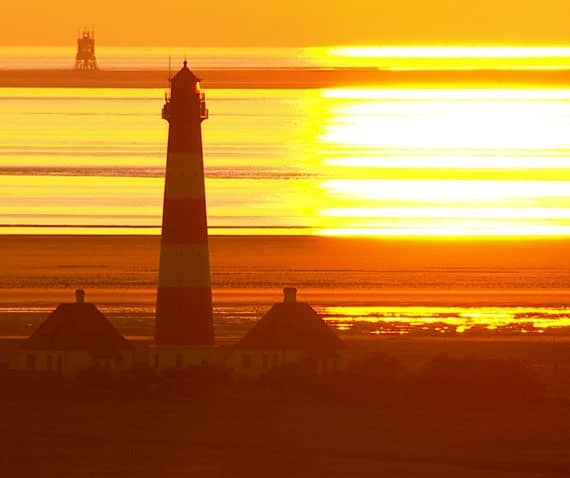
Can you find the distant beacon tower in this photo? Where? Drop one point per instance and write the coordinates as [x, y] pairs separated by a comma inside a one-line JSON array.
[[184, 327], [85, 57]]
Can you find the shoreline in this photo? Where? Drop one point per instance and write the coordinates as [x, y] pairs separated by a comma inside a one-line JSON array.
[[285, 78], [353, 282]]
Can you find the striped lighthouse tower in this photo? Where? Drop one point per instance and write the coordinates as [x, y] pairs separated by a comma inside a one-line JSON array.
[[184, 330]]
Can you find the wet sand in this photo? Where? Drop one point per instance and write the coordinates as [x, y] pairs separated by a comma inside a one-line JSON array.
[[40, 270], [119, 274], [284, 78]]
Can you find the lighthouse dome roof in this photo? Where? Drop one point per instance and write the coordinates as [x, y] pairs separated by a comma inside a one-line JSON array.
[[184, 75]]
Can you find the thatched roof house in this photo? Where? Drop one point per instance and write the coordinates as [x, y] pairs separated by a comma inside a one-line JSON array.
[[289, 333], [74, 337]]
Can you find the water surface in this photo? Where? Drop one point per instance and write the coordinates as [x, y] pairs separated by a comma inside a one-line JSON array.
[[386, 162]]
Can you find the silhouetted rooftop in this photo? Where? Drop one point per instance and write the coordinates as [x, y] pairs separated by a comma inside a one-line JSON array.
[[77, 327], [292, 325], [185, 75]]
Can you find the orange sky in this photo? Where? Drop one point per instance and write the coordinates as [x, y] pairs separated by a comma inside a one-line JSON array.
[[292, 22]]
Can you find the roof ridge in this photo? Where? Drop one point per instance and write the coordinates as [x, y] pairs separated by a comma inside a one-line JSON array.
[[77, 326], [293, 325]]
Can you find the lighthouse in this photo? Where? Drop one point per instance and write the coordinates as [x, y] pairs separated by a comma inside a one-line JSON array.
[[184, 333], [85, 57]]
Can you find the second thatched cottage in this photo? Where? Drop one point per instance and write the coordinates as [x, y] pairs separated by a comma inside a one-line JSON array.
[[291, 333]]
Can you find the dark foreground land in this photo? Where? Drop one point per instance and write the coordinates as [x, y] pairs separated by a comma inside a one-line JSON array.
[[274, 431], [450, 415], [282, 78]]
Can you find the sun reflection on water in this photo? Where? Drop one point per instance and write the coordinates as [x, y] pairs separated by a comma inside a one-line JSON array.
[[367, 161], [448, 320], [451, 57], [447, 162]]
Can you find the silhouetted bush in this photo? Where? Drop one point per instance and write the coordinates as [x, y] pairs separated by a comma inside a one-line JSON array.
[[477, 380], [24, 384], [207, 374], [375, 381], [442, 381], [378, 366], [95, 377], [192, 382], [288, 374]]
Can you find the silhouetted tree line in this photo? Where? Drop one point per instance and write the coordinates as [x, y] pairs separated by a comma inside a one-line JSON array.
[[442, 380], [382, 380]]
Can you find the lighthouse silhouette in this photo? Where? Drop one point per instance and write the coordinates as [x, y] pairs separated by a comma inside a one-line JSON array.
[[184, 333]]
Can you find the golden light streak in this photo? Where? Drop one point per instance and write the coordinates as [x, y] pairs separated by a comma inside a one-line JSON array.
[[81, 94], [105, 230], [78, 231], [450, 160], [468, 191], [447, 94], [447, 57], [447, 162], [459, 318], [451, 52], [451, 213], [465, 230], [465, 125]]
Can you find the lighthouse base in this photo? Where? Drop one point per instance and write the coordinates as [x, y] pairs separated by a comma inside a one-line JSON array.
[[169, 357]]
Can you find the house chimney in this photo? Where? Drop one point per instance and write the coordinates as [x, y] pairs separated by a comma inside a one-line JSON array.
[[80, 296], [289, 295]]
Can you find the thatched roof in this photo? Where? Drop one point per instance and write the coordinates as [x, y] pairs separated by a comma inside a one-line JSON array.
[[292, 325], [78, 327]]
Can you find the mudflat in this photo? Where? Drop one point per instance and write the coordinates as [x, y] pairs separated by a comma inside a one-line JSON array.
[[119, 274], [42, 269]]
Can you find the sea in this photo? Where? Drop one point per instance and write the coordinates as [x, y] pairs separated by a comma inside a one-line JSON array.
[[472, 182]]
